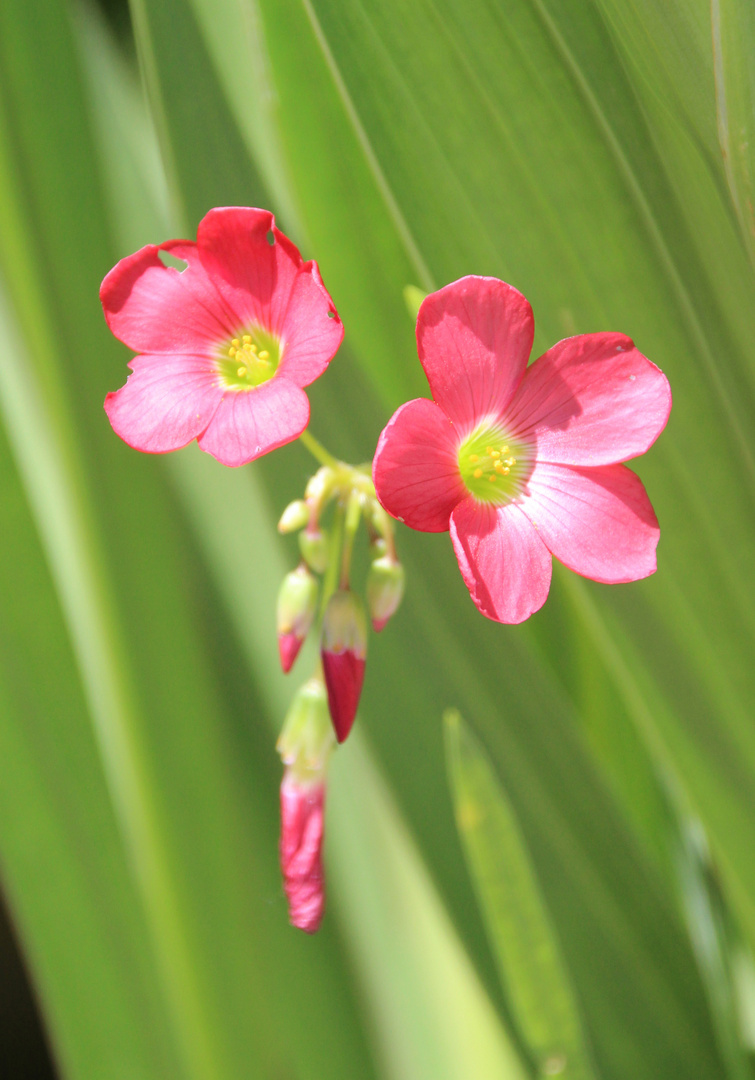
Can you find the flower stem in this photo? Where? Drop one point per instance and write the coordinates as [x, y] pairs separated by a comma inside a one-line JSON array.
[[330, 582], [353, 513], [316, 449]]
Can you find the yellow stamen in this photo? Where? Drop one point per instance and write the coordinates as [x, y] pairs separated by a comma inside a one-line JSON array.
[[235, 342], [505, 472], [231, 351], [264, 355], [505, 449], [492, 478], [474, 458], [488, 449], [241, 372], [495, 453], [247, 339], [477, 474]]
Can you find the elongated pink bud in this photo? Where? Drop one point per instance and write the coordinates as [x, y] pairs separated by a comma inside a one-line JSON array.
[[297, 603], [344, 649], [302, 824]]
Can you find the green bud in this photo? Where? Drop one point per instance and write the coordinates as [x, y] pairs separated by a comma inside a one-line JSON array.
[[297, 604], [320, 484], [315, 548], [307, 739], [385, 589], [294, 517], [344, 625]]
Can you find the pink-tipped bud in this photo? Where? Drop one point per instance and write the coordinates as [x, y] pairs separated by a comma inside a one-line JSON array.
[[315, 548], [385, 589], [305, 745], [302, 824], [344, 648], [297, 604]]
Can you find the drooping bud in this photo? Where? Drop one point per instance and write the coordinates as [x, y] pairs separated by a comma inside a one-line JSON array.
[[297, 604], [385, 589], [315, 548], [294, 517], [305, 745], [306, 741], [302, 825], [344, 648]]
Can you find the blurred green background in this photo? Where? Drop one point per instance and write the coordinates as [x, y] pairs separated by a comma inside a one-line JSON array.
[[557, 881]]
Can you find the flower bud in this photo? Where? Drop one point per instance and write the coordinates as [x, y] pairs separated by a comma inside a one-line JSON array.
[[315, 548], [306, 741], [305, 745], [385, 589], [319, 486], [344, 648], [297, 604], [302, 824], [294, 517]]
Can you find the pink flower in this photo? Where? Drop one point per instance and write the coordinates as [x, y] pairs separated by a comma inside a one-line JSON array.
[[524, 463], [302, 823], [226, 344]]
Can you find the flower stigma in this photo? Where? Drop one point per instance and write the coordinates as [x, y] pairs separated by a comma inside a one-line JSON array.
[[493, 467], [248, 360]]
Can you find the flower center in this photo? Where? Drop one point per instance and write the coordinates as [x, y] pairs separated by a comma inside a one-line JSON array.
[[492, 466], [249, 360]]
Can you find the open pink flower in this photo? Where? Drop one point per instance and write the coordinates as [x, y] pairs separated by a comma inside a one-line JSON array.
[[226, 343], [524, 463]]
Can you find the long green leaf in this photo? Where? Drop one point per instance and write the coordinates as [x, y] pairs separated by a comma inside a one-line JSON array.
[[529, 956]]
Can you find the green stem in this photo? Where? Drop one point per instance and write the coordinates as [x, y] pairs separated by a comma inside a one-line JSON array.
[[331, 574], [353, 513], [316, 449]]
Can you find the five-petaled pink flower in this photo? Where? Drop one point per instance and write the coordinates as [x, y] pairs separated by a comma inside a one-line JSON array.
[[226, 344], [524, 463]]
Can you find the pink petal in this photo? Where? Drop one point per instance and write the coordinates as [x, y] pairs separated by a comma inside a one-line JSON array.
[[272, 286], [504, 563], [302, 827], [474, 338], [598, 522], [167, 401], [591, 400], [416, 467], [158, 309], [249, 423]]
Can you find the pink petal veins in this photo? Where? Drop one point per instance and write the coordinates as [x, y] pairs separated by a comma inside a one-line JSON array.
[[474, 338], [416, 468], [598, 522], [591, 400], [249, 424], [167, 401], [504, 562]]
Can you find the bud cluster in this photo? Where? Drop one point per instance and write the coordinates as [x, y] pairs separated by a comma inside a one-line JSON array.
[[327, 550], [324, 708]]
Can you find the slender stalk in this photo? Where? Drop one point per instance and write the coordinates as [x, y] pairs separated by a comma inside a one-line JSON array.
[[353, 513], [331, 574], [316, 449]]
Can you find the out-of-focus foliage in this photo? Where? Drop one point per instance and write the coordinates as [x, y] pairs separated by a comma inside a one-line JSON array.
[[598, 155]]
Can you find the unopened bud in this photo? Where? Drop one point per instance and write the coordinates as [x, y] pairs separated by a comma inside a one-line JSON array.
[[306, 741], [385, 589], [297, 604], [302, 827], [305, 745], [294, 517], [320, 484], [315, 548], [344, 648]]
